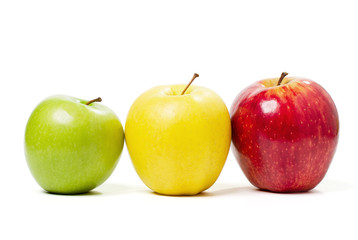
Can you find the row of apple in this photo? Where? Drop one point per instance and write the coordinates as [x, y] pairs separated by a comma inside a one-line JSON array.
[[284, 132]]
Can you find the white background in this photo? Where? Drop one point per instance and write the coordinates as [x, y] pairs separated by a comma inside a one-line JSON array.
[[117, 50]]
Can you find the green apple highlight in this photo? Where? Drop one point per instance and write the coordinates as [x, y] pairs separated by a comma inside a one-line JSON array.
[[72, 145]]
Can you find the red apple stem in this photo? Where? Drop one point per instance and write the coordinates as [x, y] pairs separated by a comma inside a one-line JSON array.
[[187, 86], [283, 75], [94, 100]]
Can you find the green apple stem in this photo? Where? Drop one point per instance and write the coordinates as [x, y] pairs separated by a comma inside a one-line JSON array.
[[187, 86], [283, 75], [94, 100]]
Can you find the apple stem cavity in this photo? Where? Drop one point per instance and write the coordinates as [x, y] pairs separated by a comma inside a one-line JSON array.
[[94, 100], [187, 86], [283, 75]]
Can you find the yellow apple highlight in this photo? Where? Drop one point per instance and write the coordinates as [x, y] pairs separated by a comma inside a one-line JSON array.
[[178, 138]]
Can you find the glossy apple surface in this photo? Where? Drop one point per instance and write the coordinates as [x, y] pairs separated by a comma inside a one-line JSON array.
[[284, 137], [178, 143], [72, 147]]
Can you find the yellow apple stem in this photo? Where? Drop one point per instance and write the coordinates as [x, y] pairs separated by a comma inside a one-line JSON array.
[[94, 100], [283, 75], [187, 86]]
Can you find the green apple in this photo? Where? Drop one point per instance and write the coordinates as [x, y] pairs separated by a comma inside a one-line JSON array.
[[178, 138], [72, 145]]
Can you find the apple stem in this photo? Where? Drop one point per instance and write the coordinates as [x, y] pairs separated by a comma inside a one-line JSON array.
[[187, 86], [283, 75], [94, 100]]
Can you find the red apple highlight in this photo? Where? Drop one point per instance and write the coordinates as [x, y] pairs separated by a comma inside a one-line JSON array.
[[284, 134]]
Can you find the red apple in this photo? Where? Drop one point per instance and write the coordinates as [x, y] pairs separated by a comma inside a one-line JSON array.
[[285, 133]]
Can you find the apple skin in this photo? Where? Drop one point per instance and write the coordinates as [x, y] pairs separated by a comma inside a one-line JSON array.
[[284, 137], [178, 143], [71, 147]]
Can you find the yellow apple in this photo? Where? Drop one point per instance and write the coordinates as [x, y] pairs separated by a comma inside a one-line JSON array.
[[178, 143]]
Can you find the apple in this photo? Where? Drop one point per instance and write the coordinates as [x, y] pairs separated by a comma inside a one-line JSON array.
[[284, 133], [178, 138], [72, 145]]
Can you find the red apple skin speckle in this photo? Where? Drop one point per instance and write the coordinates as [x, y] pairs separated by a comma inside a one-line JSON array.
[[284, 137]]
